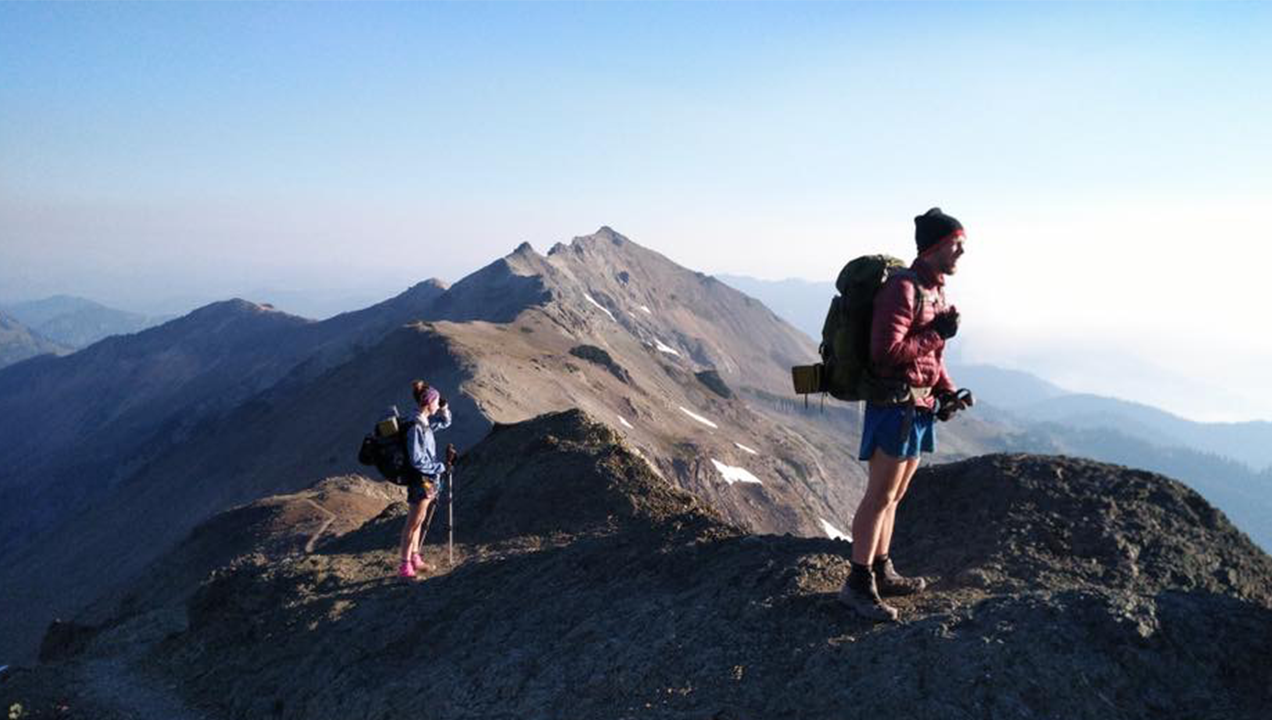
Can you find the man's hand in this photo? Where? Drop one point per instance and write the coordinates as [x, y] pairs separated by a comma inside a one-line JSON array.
[[952, 402], [946, 324]]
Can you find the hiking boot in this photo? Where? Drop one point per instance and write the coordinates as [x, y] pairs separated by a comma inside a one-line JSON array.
[[890, 583], [860, 594], [406, 570], [417, 562]]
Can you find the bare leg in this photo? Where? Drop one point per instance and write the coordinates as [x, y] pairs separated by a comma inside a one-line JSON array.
[[419, 524], [411, 530], [887, 474], [890, 515]]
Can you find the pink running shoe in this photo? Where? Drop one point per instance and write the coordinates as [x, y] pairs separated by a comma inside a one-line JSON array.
[[406, 569], [417, 561]]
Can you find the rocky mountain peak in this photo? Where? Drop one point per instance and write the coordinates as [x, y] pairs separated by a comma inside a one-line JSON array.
[[604, 241], [564, 472], [608, 233], [1058, 588], [1018, 521], [638, 342], [602, 237], [233, 309], [417, 296]]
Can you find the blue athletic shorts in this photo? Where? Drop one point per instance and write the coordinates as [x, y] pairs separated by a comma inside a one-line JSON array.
[[886, 428], [416, 490]]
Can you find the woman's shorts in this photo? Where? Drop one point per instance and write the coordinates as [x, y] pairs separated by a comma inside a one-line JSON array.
[[900, 431], [422, 487]]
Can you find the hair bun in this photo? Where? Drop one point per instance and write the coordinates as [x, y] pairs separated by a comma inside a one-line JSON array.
[[418, 388]]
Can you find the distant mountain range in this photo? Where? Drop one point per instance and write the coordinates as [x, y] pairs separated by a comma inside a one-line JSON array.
[[1030, 398], [72, 323], [1247, 442], [1230, 463], [19, 342], [802, 303]]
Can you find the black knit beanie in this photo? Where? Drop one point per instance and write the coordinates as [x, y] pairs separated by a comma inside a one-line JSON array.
[[933, 226]]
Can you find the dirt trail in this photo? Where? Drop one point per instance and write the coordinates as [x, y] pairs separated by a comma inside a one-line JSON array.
[[313, 539]]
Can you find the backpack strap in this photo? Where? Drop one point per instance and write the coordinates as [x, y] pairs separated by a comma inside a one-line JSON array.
[[404, 427], [900, 393], [920, 297]]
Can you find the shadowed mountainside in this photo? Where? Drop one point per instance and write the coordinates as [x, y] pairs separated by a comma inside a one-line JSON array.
[[1247, 442], [589, 587], [77, 427]]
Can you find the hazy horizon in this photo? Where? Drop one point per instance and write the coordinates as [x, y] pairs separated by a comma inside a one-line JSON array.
[[1108, 160], [1057, 372]]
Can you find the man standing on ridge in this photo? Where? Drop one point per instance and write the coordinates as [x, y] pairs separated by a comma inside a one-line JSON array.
[[910, 326]]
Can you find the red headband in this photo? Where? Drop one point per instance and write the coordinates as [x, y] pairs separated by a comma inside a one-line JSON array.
[[956, 234]]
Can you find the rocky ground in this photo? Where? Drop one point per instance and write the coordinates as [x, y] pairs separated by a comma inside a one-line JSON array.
[[588, 587]]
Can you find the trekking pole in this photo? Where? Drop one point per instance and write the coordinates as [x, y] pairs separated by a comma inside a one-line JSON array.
[[450, 503], [428, 520]]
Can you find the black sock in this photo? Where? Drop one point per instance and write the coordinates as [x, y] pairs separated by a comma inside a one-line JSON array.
[[880, 561]]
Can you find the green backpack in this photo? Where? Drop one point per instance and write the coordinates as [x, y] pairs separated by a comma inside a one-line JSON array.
[[845, 346]]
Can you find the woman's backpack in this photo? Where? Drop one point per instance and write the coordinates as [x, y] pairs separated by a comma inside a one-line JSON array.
[[385, 448]]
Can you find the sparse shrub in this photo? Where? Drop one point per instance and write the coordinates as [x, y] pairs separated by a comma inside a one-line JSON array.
[[597, 356], [714, 383]]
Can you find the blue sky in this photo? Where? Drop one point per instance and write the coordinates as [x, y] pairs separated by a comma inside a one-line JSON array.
[[158, 151]]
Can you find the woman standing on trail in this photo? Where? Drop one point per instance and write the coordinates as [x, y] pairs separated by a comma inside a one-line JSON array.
[[423, 472]]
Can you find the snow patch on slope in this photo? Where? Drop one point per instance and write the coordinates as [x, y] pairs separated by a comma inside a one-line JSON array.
[[742, 447], [698, 417], [662, 347], [602, 307], [735, 474], [625, 423], [833, 532], [646, 310]]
